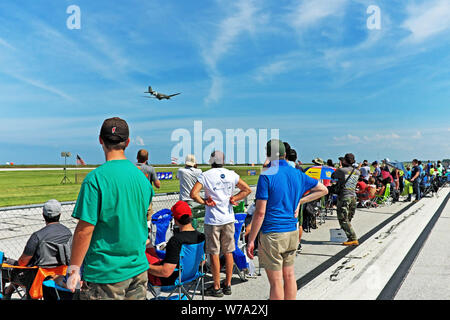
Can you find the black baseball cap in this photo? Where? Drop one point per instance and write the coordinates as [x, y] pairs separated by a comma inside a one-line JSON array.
[[114, 130], [349, 158]]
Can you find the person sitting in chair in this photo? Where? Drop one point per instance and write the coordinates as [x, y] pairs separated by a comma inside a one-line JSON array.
[[41, 248], [162, 272]]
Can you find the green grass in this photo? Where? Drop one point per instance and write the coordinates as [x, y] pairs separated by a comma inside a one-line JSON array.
[[34, 187]]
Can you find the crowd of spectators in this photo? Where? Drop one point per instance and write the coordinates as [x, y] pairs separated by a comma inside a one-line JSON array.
[[111, 255]]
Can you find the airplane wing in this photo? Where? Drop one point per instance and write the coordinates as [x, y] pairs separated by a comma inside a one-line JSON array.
[[173, 95], [149, 97]]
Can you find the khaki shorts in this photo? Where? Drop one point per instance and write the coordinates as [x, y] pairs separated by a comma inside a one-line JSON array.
[[219, 239], [277, 250], [131, 289]]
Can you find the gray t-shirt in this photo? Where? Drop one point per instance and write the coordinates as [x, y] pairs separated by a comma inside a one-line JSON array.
[[54, 232], [349, 189], [188, 177], [365, 172], [149, 172]]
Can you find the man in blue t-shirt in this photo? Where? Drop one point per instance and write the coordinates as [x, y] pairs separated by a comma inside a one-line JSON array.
[[279, 195]]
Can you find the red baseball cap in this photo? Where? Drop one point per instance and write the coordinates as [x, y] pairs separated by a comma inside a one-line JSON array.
[[180, 209]]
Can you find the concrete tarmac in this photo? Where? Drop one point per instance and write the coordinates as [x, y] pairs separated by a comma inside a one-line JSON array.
[[429, 276], [330, 271]]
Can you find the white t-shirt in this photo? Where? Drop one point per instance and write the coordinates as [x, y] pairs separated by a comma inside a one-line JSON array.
[[188, 177], [219, 183]]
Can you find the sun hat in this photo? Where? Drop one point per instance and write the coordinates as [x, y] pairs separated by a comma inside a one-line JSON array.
[[318, 161]]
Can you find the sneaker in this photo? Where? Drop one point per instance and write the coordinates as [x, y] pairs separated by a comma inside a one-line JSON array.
[[213, 292], [299, 248], [351, 243], [225, 289]]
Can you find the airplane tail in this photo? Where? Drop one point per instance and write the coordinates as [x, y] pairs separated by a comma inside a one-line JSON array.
[[149, 90]]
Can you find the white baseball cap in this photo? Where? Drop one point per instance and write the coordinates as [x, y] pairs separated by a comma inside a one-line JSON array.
[[190, 160]]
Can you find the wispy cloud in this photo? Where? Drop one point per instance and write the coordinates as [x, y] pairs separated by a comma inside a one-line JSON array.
[[307, 13], [272, 69], [39, 84], [350, 139], [427, 19], [4, 43], [244, 19]]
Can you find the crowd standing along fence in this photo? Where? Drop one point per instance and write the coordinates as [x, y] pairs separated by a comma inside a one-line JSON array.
[[19, 222]]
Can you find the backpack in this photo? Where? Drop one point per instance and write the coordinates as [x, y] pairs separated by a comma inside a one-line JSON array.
[[309, 217]]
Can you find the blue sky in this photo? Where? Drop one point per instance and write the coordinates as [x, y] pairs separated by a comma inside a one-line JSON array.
[[311, 69]]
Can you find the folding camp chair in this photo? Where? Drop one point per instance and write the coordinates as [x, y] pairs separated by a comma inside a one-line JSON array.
[[190, 272], [52, 291], [240, 265], [161, 220], [30, 278], [384, 199], [52, 260]]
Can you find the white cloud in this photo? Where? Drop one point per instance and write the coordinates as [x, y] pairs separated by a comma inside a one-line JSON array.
[[350, 139], [347, 139], [139, 141], [244, 19], [427, 20], [215, 92], [418, 135], [272, 69], [308, 13], [39, 84]]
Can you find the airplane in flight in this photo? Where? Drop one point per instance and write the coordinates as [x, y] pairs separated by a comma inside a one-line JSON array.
[[159, 96]]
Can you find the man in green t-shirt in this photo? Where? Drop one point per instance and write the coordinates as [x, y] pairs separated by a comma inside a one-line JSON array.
[[110, 237]]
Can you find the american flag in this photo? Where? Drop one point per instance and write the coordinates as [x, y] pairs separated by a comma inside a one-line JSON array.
[[80, 161], [174, 160]]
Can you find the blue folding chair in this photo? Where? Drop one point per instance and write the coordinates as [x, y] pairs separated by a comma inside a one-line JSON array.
[[190, 272], [60, 292], [240, 260], [161, 220]]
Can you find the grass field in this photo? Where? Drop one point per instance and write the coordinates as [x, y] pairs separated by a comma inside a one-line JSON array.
[[35, 187]]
